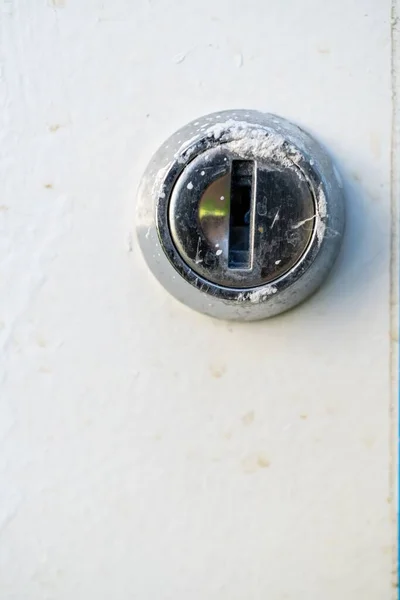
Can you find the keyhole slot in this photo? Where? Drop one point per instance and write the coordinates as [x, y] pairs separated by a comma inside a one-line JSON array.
[[242, 175]]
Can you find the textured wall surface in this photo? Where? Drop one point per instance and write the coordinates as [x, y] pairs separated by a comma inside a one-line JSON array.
[[146, 451]]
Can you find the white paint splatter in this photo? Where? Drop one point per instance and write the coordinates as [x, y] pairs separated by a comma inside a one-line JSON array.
[[218, 252], [322, 214], [258, 295], [190, 185], [253, 140], [222, 198]]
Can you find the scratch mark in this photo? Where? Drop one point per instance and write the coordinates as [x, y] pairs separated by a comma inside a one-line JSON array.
[[276, 218], [301, 223], [198, 259]]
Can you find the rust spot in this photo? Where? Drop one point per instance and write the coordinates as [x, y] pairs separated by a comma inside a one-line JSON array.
[[248, 418], [217, 371]]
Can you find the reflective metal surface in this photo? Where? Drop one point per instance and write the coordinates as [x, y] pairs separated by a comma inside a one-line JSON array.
[[241, 229]]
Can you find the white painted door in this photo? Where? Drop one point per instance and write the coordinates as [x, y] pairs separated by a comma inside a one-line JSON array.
[[146, 451]]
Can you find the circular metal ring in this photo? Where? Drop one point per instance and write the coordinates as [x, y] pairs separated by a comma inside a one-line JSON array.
[[250, 135]]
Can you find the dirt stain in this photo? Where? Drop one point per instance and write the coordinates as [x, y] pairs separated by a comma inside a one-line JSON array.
[[41, 342], [48, 186], [303, 417], [323, 50], [54, 128], [369, 441], [254, 462], [248, 418]]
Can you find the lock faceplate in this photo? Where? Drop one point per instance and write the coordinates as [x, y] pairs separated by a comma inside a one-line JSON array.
[[240, 215]]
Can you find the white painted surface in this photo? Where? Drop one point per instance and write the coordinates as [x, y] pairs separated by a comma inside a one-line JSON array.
[[146, 451]]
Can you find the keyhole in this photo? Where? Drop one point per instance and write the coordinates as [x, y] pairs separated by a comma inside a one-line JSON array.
[[239, 255]]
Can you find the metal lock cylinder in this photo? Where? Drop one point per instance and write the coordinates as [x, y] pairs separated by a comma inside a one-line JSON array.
[[240, 215]]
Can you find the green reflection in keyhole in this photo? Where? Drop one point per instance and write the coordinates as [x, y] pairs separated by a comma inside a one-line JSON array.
[[214, 211], [215, 201]]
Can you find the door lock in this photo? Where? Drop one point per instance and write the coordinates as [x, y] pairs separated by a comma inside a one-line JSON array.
[[240, 215]]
